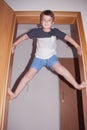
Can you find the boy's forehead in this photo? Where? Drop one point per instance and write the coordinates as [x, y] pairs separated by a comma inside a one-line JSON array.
[[46, 16]]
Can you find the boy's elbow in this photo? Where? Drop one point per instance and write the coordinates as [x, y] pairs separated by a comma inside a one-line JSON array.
[[67, 37], [26, 36]]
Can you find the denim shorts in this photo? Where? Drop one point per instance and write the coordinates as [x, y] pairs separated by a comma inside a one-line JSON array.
[[39, 63]]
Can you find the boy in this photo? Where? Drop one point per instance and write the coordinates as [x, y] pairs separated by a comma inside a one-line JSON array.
[[46, 54]]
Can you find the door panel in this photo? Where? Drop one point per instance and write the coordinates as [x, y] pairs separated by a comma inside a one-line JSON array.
[[68, 100], [7, 22]]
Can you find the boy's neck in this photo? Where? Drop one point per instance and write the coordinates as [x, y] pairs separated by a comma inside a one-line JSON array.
[[46, 30]]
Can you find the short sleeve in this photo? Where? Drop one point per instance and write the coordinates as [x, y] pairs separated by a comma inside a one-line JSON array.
[[32, 33], [59, 34]]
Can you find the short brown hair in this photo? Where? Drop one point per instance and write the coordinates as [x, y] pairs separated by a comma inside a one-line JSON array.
[[47, 12]]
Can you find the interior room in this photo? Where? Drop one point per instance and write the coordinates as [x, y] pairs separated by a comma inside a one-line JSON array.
[[48, 102]]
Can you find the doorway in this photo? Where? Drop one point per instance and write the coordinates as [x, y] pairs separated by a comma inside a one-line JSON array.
[[43, 90], [34, 96], [37, 89], [7, 36]]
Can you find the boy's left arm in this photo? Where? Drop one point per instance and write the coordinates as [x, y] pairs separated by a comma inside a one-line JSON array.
[[74, 43]]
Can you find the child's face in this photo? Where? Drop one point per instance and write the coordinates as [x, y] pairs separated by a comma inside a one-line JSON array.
[[47, 22]]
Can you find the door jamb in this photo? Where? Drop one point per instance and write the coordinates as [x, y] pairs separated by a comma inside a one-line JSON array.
[[62, 18], [32, 17]]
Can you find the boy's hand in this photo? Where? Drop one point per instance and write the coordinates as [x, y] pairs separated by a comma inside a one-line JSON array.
[[79, 51], [13, 49]]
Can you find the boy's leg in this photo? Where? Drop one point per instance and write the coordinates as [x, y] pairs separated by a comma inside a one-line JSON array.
[[68, 76], [27, 77]]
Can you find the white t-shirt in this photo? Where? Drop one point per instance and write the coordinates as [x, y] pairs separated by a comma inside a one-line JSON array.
[[46, 41]]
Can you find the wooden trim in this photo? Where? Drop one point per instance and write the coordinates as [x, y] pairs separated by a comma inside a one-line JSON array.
[[33, 17], [6, 83], [84, 59], [7, 23], [9, 74], [82, 42], [83, 64]]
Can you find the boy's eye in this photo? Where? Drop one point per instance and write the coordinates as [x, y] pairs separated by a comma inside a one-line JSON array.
[[47, 20]]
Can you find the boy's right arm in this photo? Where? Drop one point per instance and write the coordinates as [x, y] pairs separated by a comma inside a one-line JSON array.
[[22, 38]]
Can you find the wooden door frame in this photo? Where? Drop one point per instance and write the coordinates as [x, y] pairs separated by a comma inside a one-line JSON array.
[[32, 17]]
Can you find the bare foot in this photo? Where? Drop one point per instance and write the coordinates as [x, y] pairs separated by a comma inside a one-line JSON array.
[[82, 85], [11, 94]]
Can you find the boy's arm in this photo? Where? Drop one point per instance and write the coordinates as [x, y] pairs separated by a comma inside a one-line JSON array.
[[74, 43], [22, 38]]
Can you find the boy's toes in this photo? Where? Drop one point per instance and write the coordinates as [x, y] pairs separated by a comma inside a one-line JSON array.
[[83, 85], [11, 94]]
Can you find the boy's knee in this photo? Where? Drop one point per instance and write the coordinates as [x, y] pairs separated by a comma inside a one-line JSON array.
[[59, 68], [29, 76]]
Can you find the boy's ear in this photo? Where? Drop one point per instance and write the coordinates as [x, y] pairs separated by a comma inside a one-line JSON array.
[[53, 23]]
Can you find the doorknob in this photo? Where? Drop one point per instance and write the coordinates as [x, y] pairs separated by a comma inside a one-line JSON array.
[[62, 96]]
